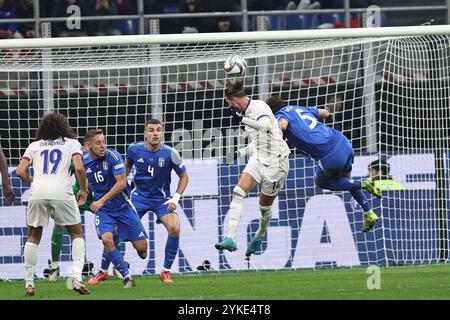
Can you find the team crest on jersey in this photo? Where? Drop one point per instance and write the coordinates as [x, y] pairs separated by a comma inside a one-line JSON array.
[[161, 162], [105, 165]]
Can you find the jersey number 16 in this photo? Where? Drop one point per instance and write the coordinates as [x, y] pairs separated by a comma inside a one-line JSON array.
[[98, 177]]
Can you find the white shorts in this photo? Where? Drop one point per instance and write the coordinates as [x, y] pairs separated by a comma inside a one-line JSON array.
[[64, 212], [270, 178]]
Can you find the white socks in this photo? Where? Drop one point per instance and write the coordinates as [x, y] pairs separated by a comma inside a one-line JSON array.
[[78, 250], [266, 215], [236, 207], [30, 254]]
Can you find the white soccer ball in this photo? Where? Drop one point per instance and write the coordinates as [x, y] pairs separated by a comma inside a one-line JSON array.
[[235, 66]]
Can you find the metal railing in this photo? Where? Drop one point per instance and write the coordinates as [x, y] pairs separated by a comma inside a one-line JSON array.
[[244, 14]]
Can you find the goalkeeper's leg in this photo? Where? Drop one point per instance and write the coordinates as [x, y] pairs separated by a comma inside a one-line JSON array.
[[246, 184]]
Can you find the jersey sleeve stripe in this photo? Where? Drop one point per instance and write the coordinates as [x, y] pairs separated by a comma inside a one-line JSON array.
[[26, 158], [77, 153], [113, 155], [262, 116]]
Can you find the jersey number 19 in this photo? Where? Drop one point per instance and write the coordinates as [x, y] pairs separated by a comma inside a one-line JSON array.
[[51, 157]]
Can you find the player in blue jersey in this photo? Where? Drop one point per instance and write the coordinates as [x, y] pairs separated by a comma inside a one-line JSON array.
[[113, 209], [153, 162], [332, 151]]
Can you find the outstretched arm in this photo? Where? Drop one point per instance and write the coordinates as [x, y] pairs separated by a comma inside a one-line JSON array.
[[333, 105], [323, 113]]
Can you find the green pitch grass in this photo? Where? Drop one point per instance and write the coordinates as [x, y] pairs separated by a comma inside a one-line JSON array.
[[412, 282]]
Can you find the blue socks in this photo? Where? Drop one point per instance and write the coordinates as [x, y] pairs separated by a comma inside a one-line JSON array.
[[117, 260], [353, 186], [105, 257], [171, 251], [105, 261], [360, 197]]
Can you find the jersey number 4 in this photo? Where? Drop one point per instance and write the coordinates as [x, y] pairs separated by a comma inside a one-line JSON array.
[[51, 158]]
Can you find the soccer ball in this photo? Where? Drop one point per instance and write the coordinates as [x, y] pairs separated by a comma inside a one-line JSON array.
[[235, 66]]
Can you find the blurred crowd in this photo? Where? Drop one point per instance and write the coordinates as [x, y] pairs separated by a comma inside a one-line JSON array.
[[10, 9]]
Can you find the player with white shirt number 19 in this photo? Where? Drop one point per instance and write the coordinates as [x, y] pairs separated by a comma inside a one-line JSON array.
[[268, 166], [51, 193]]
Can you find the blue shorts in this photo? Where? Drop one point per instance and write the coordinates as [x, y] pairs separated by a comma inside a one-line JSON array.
[[127, 221], [156, 206], [338, 161]]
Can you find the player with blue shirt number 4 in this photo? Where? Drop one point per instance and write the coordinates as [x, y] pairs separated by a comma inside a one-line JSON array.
[[154, 161]]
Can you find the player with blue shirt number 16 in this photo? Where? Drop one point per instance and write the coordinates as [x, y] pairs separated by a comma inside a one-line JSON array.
[[113, 209]]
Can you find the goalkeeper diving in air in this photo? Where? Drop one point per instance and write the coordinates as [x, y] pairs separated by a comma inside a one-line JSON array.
[[268, 166], [331, 150]]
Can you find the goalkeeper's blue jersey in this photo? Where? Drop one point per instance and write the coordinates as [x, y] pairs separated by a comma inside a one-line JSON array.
[[308, 134], [153, 170], [101, 174]]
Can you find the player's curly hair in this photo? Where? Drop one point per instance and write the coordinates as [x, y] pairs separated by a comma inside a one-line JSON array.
[[54, 126], [275, 103], [236, 90]]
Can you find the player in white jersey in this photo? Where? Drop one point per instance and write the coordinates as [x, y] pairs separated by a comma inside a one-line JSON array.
[[268, 166], [51, 193]]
